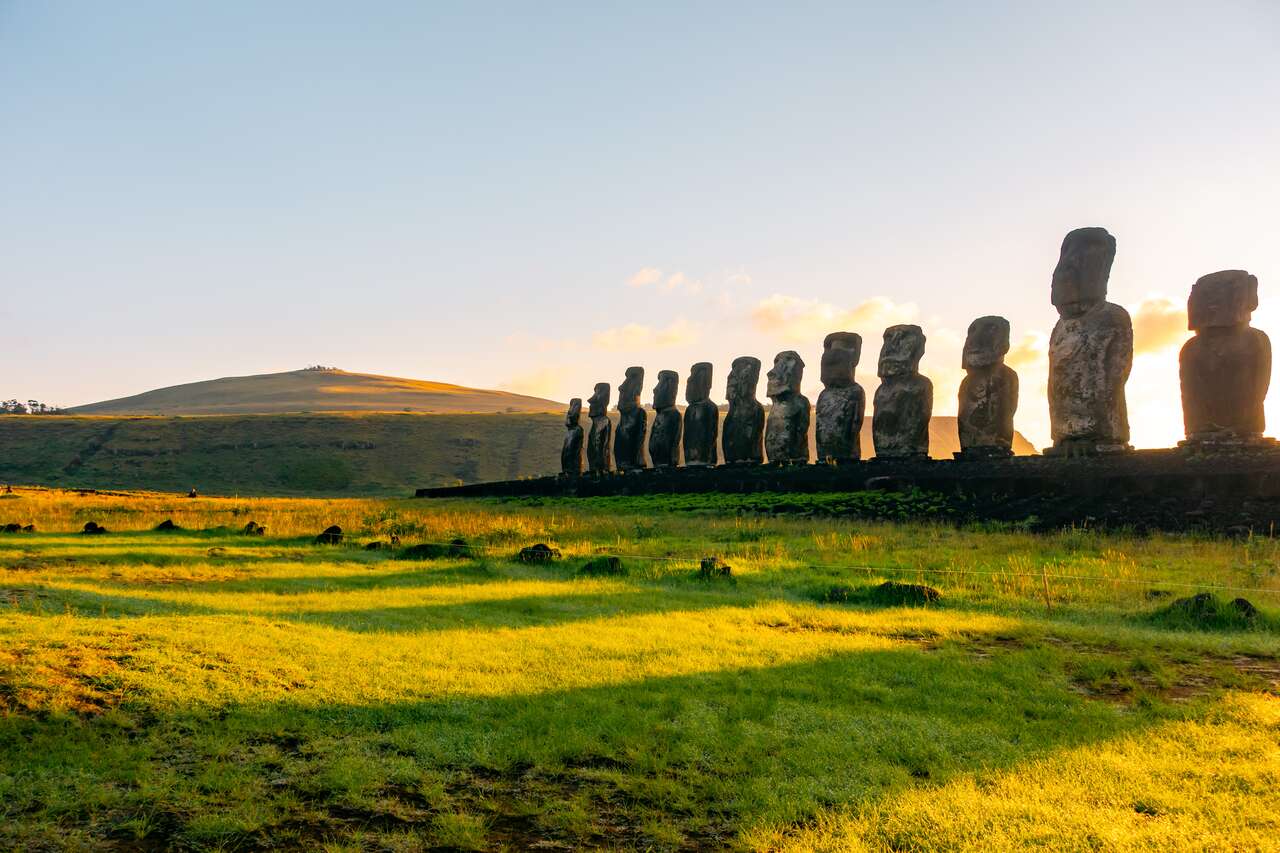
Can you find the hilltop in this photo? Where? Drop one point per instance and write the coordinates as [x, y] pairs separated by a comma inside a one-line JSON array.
[[316, 390]]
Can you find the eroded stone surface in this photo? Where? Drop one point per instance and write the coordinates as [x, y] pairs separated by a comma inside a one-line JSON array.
[[1225, 369], [664, 437], [988, 393], [743, 436], [600, 440], [786, 438], [628, 444], [904, 400], [571, 452], [842, 403], [1090, 350], [701, 418]]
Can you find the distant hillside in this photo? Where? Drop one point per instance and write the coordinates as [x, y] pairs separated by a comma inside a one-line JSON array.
[[316, 391], [298, 454]]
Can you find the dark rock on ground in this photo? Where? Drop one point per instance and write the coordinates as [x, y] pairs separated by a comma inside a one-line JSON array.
[[331, 535], [167, 526], [540, 553], [376, 546], [895, 593], [17, 528], [603, 566], [253, 529], [92, 528], [1208, 612], [456, 548], [714, 567]]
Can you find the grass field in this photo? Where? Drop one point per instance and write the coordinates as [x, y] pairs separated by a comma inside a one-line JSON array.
[[205, 689]]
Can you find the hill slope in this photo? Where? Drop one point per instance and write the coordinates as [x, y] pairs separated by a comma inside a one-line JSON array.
[[316, 391], [302, 454]]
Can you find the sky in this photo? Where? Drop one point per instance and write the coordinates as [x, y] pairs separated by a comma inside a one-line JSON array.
[[535, 196]]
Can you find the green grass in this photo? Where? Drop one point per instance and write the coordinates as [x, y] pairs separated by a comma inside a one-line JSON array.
[[208, 690]]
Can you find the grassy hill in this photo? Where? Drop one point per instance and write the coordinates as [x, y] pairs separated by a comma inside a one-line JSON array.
[[299, 454], [315, 390]]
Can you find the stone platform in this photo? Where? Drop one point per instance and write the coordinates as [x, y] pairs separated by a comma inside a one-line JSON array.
[[1229, 492]]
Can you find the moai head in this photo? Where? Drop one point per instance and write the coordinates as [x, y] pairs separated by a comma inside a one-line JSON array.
[[840, 354], [664, 393], [698, 388], [1222, 299], [744, 377], [901, 351], [630, 389], [599, 401], [784, 378], [986, 344], [1084, 267], [573, 417]]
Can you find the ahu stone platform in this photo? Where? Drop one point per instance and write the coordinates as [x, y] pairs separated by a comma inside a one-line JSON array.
[[1234, 492]]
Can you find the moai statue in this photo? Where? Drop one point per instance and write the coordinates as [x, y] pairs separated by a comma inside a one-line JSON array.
[[904, 400], [989, 392], [600, 440], [571, 453], [628, 445], [664, 438], [786, 436], [701, 418], [1090, 351], [842, 402], [1226, 367], [743, 437]]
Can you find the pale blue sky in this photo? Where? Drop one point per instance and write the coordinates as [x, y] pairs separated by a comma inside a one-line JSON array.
[[192, 190]]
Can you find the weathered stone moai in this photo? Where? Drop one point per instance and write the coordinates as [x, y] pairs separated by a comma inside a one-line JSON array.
[[842, 403], [701, 418], [786, 437], [628, 444], [988, 393], [571, 453], [664, 437], [1226, 368], [743, 436], [1090, 351], [600, 440], [904, 400]]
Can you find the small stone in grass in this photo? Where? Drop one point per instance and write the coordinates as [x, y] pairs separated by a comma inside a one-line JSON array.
[[540, 553]]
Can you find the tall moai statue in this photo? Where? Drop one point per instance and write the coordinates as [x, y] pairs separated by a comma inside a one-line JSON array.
[[571, 453], [628, 445], [988, 393], [600, 439], [701, 418], [842, 403], [1226, 368], [904, 400], [786, 436], [664, 437], [743, 437], [1090, 351]]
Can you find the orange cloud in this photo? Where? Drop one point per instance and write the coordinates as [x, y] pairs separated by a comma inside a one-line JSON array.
[[1030, 352], [1158, 323], [796, 320], [635, 336], [645, 276]]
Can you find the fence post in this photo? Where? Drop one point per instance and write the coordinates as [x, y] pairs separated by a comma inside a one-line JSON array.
[[1044, 578]]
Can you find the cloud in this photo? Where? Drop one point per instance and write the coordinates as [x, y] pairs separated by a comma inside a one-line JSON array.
[[797, 320], [635, 336], [645, 276], [737, 278], [1030, 352], [652, 276], [546, 382], [1158, 323]]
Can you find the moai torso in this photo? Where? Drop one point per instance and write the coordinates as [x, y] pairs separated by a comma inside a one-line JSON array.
[[701, 418], [743, 436], [571, 452], [842, 403], [989, 392], [1225, 369], [786, 437], [904, 400], [628, 444], [600, 439], [664, 437]]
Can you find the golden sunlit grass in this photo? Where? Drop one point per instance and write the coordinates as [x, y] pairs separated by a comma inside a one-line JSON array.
[[210, 690]]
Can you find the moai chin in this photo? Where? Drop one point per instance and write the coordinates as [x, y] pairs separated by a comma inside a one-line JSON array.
[[988, 393], [904, 400], [1090, 351], [628, 444], [600, 439], [571, 452], [1225, 369], [743, 437], [701, 418], [664, 437], [842, 403], [786, 436]]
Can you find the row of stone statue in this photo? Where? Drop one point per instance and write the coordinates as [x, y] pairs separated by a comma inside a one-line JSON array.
[[1225, 373]]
